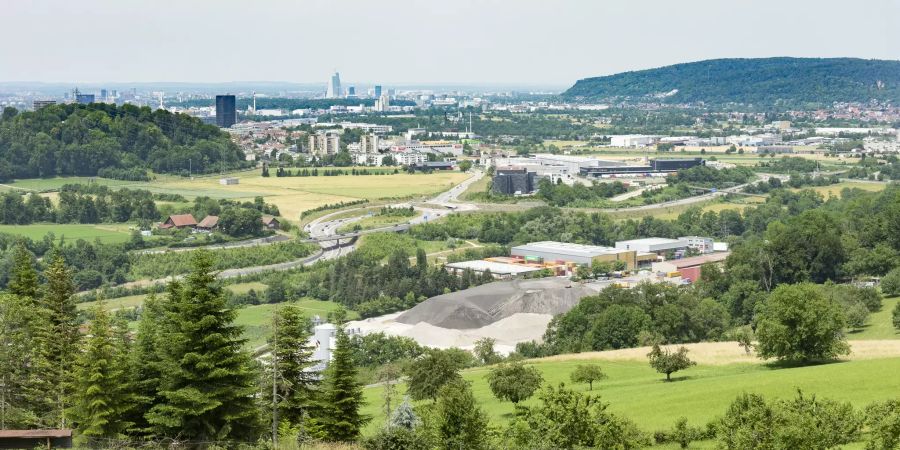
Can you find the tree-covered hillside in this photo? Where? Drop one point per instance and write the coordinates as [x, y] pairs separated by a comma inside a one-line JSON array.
[[761, 81], [116, 142]]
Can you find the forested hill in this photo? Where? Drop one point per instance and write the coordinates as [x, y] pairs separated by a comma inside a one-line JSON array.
[[759, 81], [116, 142]]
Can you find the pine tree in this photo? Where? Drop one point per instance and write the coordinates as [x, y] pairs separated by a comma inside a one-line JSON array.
[[59, 341], [23, 278], [100, 394], [343, 397], [208, 385], [292, 359]]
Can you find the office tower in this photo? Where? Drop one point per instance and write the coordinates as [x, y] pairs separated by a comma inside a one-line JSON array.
[[377, 90], [226, 111], [334, 86], [103, 95], [351, 91], [383, 103], [38, 104], [84, 99]]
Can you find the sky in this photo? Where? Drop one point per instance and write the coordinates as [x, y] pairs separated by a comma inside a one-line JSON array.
[[527, 42]]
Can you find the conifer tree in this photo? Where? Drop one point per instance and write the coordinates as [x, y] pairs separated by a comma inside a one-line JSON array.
[[292, 359], [59, 340], [100, 394], [208, 384], [23, 279], [343, 397], [21, 393], [145, 363]]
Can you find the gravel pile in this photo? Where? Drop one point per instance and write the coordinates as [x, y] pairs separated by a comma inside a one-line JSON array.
[[487, 304]]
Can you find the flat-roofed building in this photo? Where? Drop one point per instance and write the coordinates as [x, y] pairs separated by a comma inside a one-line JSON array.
[[653, 245], [552, 251], [699, 243], [497, 269]]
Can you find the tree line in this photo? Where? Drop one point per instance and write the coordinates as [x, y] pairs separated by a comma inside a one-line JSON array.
[[74, 139]]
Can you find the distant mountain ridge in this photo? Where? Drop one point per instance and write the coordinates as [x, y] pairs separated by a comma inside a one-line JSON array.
[[761, 81]]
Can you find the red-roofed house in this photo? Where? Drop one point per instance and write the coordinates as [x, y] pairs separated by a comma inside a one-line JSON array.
[[179, 221], [208, 223], [270, 222]]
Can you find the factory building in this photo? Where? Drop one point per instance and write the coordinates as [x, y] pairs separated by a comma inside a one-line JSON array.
[[563, 252], [659, 246], [654, 166], [514, 180]]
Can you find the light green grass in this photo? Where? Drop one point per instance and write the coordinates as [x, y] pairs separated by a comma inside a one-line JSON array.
[[243, 288], [700, 394], [257, 319], [46, 184], [107, 233], [374, 221], [879, 325], [112, 304]]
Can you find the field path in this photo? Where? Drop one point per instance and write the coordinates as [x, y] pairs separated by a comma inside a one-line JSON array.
[[729, 352]]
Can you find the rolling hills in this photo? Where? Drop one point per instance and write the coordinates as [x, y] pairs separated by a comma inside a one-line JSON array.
[[757, 81]]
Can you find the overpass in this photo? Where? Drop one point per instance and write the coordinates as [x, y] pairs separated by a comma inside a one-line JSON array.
[[356, 234]]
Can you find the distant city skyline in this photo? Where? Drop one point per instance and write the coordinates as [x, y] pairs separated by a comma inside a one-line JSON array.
[[404, 42]]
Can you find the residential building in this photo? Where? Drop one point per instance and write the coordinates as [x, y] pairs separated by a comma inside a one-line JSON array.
[[226, 111], [334, 86], [409, 158], [179, 221], [383, 103], [38, 104], [208, 223], [270, 222], [368, 143], [324, 143]]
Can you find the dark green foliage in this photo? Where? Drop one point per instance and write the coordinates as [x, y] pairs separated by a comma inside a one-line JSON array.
[[805, 248], [101, 393], [762, 81], [514, 381], [292, 359], [60, 339], [460, 421], [587, 373], [23, 279], [146, 363], [801, 422], [431, 371], [241, 222], [566, 419], [376, 349], [618, 326], [21, 386], [208, 385], [82, 139], [565, 195], [890, 284], [343, 397], [484, 351], [668, 362], [883, 421], [799, 323]]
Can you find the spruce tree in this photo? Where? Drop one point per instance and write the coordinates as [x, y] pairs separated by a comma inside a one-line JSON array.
[[208, 384], [21, 388], [291, 361], [100, 394], [59, 340], [343, 397], [145, 364], [23, 280]]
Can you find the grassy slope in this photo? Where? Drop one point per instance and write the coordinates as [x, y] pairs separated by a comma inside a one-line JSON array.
[[879, 325], [106, 232], [257, 319]]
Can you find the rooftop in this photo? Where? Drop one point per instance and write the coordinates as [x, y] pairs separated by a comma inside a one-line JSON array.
[[566, 248], [497, 268], [699, 260], [648, 241]]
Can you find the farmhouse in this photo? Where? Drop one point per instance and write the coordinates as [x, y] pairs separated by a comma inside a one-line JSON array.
[[179, 221], [271, 222], [208, 223]]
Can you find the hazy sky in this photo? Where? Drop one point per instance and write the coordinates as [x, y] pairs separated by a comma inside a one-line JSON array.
[[461, 41]]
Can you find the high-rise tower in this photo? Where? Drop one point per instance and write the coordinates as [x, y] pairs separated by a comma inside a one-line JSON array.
[[334, 87], [226, 111]]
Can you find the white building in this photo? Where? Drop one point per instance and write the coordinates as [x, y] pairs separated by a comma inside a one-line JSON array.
[[699, 243], [653, 245], [409, 158], [383, 103], [368, 143], [633, 140]]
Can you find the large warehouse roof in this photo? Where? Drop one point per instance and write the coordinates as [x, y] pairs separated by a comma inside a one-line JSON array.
[[496, 268], [565, 248]]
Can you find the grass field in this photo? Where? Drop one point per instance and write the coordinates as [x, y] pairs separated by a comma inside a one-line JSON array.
[[835, 189], [699, 394], [879, 325], [45, 184], [106, 232]]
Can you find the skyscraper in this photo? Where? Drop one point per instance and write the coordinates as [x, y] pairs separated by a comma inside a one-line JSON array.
[[351, 91], [334, 86], [377, 90], [226, 111]]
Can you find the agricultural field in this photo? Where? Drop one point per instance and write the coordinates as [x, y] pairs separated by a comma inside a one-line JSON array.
[[834, 190], [47, 184], [106, 232]]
